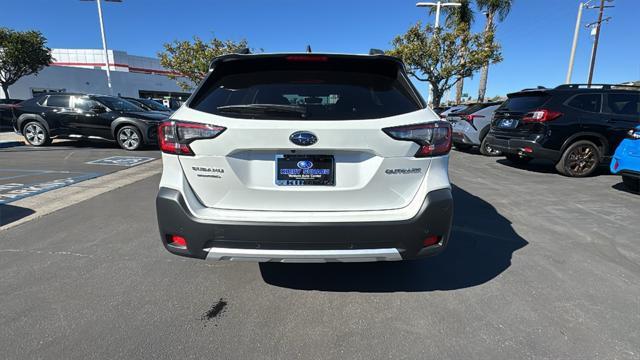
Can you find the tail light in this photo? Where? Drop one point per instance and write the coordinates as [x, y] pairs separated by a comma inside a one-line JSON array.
[[470, 118], [541, 115], [434, 138], [633, 134], [175, 136]]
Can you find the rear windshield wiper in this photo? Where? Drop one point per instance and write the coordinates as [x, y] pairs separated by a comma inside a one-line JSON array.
[[264, 109]]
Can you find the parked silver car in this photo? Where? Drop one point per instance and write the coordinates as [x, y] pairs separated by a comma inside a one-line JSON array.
[[471, 128]]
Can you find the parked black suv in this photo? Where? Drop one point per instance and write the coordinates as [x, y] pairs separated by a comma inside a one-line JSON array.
[[149, 105], [576, 126], [6, 112], [49, 115]]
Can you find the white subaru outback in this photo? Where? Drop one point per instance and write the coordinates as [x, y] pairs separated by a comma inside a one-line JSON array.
[[305, 158]]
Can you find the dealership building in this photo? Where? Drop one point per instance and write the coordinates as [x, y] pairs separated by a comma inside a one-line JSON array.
[[84, 70]]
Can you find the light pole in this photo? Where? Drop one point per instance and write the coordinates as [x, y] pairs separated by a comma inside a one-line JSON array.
[[575, 41], [594, 50], [104, 41], [438, 5]]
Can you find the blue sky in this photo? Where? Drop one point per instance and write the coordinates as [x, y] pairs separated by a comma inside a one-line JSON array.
[[535, 37]]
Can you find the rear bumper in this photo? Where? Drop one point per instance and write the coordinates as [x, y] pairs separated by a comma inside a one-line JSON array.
[[525, 147], [305, 242]]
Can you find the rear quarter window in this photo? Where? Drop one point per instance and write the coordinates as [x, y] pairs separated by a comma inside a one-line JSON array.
[[623, 103], [586, 102], [307, 92]]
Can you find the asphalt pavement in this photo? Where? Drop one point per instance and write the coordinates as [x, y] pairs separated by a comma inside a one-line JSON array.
[[28, 171], [539, 266]]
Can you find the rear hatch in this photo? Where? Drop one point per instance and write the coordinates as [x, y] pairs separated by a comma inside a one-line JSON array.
[[305, 114], [508, 118]]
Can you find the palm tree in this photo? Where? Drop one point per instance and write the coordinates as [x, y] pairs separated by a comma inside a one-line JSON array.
[[491, 8], [458, 17]]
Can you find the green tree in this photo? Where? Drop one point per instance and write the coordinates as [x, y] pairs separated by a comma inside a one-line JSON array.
[[191, 59], [458, 17], [22, 53], [436, 56], [491, 8]]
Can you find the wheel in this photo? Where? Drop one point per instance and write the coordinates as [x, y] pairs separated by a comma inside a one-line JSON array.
[[462, 147], [129, 138], [36, 134], [631, 183], [517, 159], [580, 159], [487, 150]]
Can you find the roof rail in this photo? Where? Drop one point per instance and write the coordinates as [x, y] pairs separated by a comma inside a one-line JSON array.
[[376, 52], [597, 86]]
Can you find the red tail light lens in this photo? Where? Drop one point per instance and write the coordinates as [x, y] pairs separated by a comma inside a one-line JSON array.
[[434, 138], [541, 115], [175, 136], [470, 118]]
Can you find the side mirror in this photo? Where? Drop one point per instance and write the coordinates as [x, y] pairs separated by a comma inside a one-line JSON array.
[[98, 109]]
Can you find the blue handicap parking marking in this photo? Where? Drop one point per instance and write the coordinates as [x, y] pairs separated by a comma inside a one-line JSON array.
[[13, 191], [122, 160]]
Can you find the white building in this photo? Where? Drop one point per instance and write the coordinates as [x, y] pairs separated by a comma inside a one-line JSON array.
[[84, 70]]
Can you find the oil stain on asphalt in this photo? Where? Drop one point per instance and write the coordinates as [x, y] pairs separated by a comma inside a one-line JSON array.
[[215, 311]]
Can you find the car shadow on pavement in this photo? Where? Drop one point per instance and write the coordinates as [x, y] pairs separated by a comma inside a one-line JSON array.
[[539, 166], [10, 213], [621, 187], [481, 247], [547, 167]]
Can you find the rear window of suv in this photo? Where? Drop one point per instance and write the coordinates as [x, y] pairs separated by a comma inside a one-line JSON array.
[[524, 103], [332, 89]]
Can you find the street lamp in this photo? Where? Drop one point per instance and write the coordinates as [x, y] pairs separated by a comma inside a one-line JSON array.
[[104, 41], [438, 6]]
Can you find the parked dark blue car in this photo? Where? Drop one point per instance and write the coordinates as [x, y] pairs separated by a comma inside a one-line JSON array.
[[626, 160]]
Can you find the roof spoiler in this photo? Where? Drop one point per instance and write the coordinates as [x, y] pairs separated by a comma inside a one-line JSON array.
[[241, 51]]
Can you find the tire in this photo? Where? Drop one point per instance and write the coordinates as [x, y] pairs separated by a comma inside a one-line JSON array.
[[462, 147], [36, 134], [517, 159], [580, 159], [631, 183], [486, 150], [129, 138]]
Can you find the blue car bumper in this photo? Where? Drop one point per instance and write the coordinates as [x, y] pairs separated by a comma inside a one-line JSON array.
[[626, 160]]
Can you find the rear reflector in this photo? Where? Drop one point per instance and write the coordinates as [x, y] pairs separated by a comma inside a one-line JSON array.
[[616, 165], [178, 242], [431, 240], [175, 136], [434, 138]]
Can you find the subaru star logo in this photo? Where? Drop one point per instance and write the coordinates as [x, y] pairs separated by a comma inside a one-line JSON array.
[[303, 138], [305, 164]]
